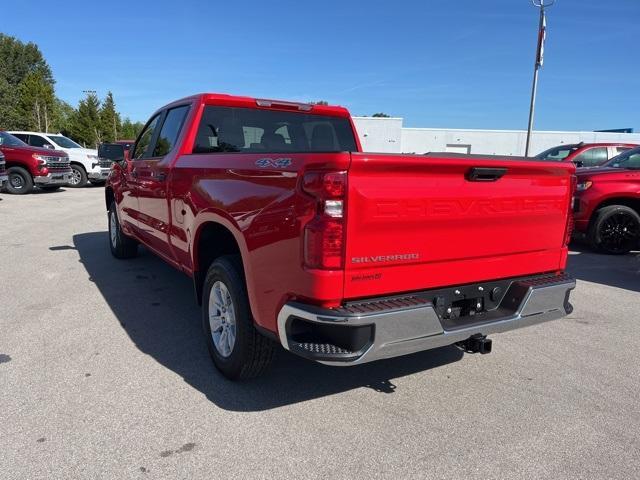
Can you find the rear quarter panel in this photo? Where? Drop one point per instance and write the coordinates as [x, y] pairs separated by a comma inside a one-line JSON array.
[[266, 211]]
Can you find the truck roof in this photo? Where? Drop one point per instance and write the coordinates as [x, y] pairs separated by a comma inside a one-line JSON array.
[[223, 99]]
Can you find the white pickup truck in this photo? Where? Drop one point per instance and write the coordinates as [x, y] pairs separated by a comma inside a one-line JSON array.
[[84, 161]]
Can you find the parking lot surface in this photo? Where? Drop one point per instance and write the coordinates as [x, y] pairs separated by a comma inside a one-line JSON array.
[[104, 374]]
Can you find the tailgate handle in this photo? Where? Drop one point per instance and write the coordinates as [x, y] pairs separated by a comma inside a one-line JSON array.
[[482, 174]]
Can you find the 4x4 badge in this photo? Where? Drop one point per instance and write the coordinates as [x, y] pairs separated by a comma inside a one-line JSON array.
[[270, 162]]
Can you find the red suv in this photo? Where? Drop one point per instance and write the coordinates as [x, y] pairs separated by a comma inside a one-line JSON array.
[[28, 166], [607, 204], [585, 154]]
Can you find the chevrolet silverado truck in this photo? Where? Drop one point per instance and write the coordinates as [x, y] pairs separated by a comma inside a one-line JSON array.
[[32, 166], [294, 236], [84, 161], [607, 204], [585, 154]]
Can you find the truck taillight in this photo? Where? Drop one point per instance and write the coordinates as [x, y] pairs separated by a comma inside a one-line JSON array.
[[570, 222], [324, 234]]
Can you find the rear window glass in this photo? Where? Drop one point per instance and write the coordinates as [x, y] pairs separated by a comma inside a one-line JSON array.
[[248, 130]]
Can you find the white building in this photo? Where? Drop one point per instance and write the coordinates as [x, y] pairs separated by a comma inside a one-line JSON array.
[[388, 135]]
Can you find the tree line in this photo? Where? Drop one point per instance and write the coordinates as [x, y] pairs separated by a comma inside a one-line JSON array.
[[28, 101]]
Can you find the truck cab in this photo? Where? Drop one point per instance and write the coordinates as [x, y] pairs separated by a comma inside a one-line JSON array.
[[585, 155], [84, 161]]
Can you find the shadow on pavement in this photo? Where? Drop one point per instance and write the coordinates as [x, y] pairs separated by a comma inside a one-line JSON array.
[[621, 271], [156, 306]]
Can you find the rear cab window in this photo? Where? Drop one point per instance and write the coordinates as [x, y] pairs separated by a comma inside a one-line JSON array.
[[250, 130]]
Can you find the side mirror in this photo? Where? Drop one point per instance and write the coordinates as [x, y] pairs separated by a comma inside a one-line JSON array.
[[46, 145], [111, 151]]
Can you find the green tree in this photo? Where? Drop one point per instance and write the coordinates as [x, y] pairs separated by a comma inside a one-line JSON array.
[[64, 116], [130, 130], [17, 59], [86, 124], [110, 125], [9, 116], [26, 85], [381, 115], [36, 102]]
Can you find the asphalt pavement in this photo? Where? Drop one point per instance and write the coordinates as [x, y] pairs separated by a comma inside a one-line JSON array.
[[104, 374]]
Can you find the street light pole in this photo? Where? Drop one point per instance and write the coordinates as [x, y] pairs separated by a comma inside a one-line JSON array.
[[541, 4]]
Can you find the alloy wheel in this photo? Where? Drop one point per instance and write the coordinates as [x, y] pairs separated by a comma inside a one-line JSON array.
[[619, 232], [222, 319]]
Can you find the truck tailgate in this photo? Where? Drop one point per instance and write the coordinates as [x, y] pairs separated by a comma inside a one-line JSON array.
[[416, 222]]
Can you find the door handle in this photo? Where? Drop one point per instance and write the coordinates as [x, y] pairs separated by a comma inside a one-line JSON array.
[[482, 174]]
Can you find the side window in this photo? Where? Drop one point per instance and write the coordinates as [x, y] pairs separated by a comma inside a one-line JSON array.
[[22, 136], [38, 141], [142, 145], [592, 157], [619, 150], [170, 131]]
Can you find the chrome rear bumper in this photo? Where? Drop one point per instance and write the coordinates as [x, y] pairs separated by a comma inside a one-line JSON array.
[[411, 324]]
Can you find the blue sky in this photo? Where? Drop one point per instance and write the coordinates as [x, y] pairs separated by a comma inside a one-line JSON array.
[[454, 63]]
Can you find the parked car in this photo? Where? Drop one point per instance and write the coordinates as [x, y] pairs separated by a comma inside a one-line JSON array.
[[293, 236], [607, 204], [585, 154], [28, 166], [84, 161], [3, 171]]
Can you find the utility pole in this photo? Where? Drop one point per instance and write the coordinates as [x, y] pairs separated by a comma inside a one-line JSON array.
[[542, 33]]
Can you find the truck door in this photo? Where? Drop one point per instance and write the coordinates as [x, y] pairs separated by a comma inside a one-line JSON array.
[[129, 205], [154, 219]]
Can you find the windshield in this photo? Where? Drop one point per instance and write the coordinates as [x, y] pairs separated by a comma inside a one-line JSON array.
[[63, 141], [629, 159], [7, 140], [557, 153]]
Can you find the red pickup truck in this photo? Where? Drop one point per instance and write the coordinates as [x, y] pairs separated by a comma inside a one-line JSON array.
[[28, 166], [294, 236], [585, 154], [607, 204]]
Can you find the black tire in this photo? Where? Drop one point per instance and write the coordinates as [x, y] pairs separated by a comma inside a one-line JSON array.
[[615, 230], [97, 183], [20, 181], [78, 176], [49, 188], [121, 246], [251, 353]]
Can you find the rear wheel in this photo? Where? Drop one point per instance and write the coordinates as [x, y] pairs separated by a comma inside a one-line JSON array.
[[20, 181], [78, 176], [238, 350], [615, 230], [121, 245]]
